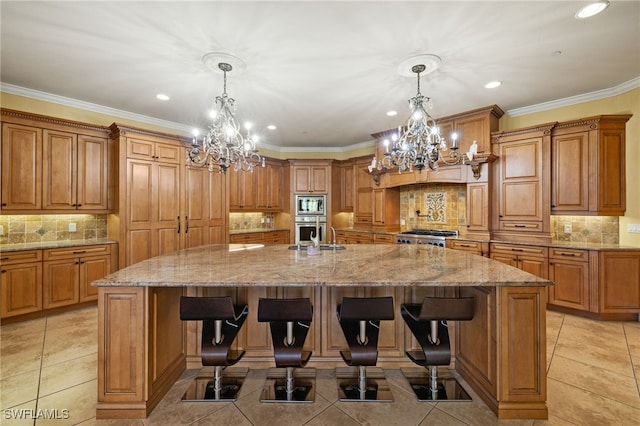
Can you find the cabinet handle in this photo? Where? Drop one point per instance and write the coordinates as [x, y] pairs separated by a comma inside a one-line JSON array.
[[186, 228], [499, 215], [178, 224], [5, 258], [517, 249], [567, 254], [465, 245], [4, 204], [550, 263], [79, 252], [79, 205], [3, 271], [520, 226], [553, 206], [78, 262]]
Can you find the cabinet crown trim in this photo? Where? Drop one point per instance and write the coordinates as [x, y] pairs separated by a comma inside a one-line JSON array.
[[10, 113]]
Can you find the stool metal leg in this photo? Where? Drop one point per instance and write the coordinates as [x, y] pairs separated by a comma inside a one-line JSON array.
[[362, 385], [289, 385], [214, 386]]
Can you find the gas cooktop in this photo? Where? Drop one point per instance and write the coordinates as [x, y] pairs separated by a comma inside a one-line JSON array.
[[431, 232]]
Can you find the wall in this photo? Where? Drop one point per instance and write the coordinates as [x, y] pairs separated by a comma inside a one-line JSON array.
[[20, 229]]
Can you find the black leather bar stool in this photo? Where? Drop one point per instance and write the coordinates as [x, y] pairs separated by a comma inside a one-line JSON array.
[[360, 321], [289, 321], [428, 323], [221, 322]]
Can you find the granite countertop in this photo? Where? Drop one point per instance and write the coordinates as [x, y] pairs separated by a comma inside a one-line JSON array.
[[252, 230], [53, 244], [357, 265]]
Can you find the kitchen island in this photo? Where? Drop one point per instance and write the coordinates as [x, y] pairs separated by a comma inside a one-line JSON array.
[[143, 347]]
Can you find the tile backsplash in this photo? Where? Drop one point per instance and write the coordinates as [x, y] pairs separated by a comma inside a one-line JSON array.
[[20, 229], [240, 221], [586, 229], [442, 206]]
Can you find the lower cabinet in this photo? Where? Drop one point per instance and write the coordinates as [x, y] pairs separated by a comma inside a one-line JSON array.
[[68, 274], [267, 237], [532, 259], [569, 270], [37, 280], [481, 248], [353, 237], [618, 289], [21, 281]]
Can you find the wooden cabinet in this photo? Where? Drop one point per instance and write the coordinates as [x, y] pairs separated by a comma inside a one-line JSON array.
[[311, 176], [242, 186], [265, 237], [343, 186], [363, 208], [75, 172], [269, 182], [21, 283], [68, 273], [379, 238], [386, 209], [522, 184], [205, 208], [569, 270], [353, 237], [481, 248], [588, 166], [21, 167], [53, 165], [618, 289], [532, 259], [475, 125]]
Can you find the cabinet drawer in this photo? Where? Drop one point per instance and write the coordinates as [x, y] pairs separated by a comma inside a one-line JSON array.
[[251, 237], [383, 239], [76, 251], [521, 226], [276, 237], [8, 258], [474, 246], [569, 254], [364, 219], [519, 249]]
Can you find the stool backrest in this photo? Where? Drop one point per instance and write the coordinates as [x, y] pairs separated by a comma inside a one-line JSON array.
[[284, 310], [205, 308], [447, 308], [366, 308]]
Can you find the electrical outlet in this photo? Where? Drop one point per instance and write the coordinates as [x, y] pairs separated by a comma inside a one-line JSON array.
[[402, 222], [567, 228], [72, 227], [1, 229], [633, 228]]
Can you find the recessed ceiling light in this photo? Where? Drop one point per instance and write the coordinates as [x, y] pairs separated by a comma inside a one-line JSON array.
[[493, 84], [271, 127], [592, 9], [392, 113], [162, 97]]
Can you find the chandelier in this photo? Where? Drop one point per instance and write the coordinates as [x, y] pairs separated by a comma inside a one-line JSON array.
[[419, 144], [224, 145]]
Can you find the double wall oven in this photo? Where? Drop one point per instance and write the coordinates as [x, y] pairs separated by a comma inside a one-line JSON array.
[[310, 217]]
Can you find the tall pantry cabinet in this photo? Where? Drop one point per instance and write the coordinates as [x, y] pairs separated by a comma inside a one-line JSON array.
[[164, 206]]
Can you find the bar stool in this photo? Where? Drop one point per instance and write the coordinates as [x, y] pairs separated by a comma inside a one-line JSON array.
[[221, 322], [360, 321], [289, 321], [428, 324]]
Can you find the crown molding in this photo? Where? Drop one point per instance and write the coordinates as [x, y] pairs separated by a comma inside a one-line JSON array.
[[578, 99]]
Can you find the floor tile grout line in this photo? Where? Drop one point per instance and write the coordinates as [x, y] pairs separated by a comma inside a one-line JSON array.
[[44, 339], [633, 370], [593, 393]]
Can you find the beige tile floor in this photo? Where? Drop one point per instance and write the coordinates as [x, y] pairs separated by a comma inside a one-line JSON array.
[[50, 363]]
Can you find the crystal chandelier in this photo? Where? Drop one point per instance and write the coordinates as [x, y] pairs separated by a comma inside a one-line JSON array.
[[420, 143], [224, 145]]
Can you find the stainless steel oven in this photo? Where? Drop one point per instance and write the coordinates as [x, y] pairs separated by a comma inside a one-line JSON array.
[[308, 226], [311, 205]]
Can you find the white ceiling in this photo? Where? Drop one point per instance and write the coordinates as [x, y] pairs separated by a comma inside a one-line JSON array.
[[324, 72]]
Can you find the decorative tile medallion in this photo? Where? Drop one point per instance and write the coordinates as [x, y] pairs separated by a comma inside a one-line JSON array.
[[436, 207]]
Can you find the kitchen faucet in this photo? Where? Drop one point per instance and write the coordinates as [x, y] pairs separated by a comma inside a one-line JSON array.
[[334, 235]]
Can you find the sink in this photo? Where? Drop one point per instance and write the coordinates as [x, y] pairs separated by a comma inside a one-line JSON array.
[[322, 247]]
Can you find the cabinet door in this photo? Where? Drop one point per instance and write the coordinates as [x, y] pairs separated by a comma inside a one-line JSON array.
[[196, 221], [319, 179], [268, 183], [472, 129], [217, 208], [521, 180], [60, 170], [346, 188], [92, 269], [21, 288], [167, 208], [60, 283], [478, 206], [537, 266], [333, 340], [255, 337], [301, 179], [21, 167], [619, 281], [92, 161], [505, 258], [570, 172], [571, 284], [378, 207], [241, 190]]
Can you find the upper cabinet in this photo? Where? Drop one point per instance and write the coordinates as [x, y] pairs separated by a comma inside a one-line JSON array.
[[475, 125], [54, 165], [522, 182], [311, 176], [342, 186], [270, 186], [588, 166]]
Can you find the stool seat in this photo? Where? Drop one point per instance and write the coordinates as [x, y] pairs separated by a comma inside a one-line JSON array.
[[428, 324], [360, 322], [289, 321], [221, 322]]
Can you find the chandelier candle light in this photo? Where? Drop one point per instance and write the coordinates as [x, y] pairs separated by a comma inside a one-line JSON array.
[[224, 145], [420, 143]]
